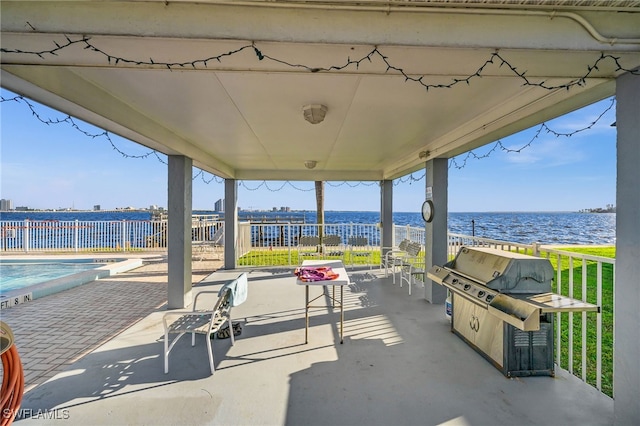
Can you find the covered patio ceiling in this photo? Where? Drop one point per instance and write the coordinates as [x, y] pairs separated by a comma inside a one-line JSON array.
[[225, 83]]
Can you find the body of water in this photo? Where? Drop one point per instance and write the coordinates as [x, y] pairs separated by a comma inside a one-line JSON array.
[[520, 227]]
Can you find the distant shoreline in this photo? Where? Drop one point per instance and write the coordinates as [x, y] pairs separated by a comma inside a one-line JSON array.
[[594, 211]]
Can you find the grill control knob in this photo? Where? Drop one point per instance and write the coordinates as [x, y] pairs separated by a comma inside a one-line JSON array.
[[481, 293], [467, 287], [489, 298], [454, 281]]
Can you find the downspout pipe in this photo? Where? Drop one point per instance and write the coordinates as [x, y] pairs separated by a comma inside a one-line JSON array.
[[426, 8]]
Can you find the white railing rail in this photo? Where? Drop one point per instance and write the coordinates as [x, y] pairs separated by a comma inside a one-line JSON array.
[[458, 240], [409, 233]]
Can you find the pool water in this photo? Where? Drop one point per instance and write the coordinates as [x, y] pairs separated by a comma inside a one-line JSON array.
[[17, 275]]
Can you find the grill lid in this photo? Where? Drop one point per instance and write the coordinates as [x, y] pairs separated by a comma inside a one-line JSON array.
[[504, 271]]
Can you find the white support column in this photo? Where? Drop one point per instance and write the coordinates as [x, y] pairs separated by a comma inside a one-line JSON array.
[[386, 214], [179, 232], [230, 222], [626, 362], [437, 182]]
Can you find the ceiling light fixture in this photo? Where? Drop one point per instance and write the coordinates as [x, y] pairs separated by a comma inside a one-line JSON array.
[[314, 113], [310, 164]]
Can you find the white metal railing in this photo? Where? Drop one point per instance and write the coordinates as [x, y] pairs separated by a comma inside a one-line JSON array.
[[601, 269], [408, 233], [95, 236], [126, 235], [257, 242], [458, 240]]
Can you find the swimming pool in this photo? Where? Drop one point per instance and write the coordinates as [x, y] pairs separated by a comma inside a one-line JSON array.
[[18, 274], [22, 280]]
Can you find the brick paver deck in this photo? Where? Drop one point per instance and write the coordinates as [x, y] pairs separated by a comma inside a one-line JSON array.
[[53, 332]]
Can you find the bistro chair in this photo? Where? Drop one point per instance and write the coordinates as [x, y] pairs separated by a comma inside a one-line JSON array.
[[412, 270], [332, 246], [391, 259], [405, 263], [308, 246], [359, 248]]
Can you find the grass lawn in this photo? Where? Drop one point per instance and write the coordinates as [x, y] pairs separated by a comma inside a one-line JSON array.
[[290, 257]]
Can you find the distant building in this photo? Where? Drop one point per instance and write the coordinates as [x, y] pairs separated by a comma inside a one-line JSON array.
[[219, 205], [97, 208], [6, 205]]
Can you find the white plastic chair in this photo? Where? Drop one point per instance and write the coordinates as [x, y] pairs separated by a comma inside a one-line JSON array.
[[206, 322]]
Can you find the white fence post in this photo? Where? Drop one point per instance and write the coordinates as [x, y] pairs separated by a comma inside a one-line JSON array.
[[123, 235], [599, 328], [289, 240], [536, 249], [25, 236], [76, 239]]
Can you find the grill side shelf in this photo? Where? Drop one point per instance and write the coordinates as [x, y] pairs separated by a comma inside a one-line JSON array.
[[551, 302], [518, 313]]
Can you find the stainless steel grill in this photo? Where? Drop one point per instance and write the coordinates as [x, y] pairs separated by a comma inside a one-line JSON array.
[[502, 306]]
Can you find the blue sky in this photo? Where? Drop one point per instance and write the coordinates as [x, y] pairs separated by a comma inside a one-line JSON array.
[[56, 166]]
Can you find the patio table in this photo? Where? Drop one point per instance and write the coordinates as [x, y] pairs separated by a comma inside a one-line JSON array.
[[341, 281]]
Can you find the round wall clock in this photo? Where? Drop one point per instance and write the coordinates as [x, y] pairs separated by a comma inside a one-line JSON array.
[[427, 211]]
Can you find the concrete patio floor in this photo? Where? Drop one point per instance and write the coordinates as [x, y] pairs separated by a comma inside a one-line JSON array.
[[399, 365]]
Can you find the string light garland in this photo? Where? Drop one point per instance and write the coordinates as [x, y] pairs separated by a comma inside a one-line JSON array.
[[69, 120], [207, 181], [542, 127], [495, 58], [351, 184], [157, 154], [265, 184], [409, 179]]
